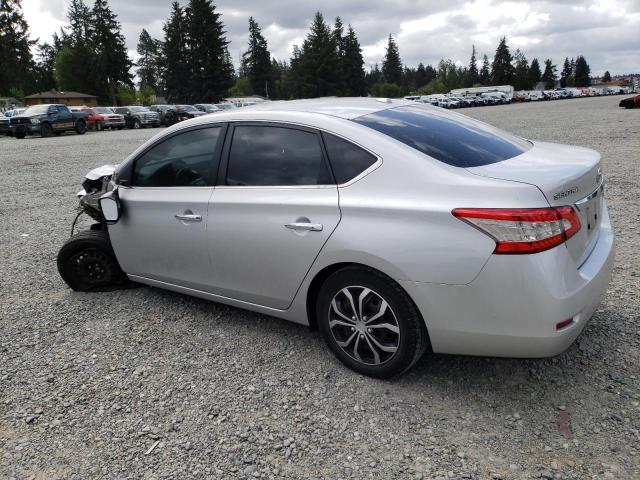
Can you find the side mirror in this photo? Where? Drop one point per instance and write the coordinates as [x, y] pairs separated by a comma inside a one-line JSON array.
[[110, 207]]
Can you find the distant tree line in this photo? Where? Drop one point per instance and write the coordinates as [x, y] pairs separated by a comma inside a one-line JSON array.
[[192, 62]]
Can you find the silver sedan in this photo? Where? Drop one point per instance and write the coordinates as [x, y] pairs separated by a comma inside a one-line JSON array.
[[391, 227]]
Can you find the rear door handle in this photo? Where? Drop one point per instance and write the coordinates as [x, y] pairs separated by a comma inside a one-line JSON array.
[[303, 226], [188, 217]]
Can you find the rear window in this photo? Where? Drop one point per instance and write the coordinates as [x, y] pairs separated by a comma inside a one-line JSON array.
[[453, 139]]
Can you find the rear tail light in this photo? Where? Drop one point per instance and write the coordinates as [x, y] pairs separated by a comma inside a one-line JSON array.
[[523, 230]]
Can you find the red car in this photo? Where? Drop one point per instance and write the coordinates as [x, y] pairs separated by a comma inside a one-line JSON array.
[[631, 102], [101, 118]]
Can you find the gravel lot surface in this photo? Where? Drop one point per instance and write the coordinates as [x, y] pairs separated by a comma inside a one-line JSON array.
[[144, 383]]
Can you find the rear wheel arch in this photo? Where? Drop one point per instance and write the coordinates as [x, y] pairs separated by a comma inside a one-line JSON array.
[[321, 276]]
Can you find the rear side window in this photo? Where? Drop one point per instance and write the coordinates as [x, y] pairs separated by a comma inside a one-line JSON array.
[[275, 156], [184, 160], [347, 160], [453, 139]]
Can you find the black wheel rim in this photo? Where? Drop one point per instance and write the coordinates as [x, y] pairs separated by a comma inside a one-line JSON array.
[[364, 325], [93, 267]]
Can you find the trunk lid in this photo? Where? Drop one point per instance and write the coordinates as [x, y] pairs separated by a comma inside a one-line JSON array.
[[566, 175]]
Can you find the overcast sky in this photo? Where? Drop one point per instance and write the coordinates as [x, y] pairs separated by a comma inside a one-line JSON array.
[[606, 32]]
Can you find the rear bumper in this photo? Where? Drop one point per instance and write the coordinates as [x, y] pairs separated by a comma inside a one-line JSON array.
[[512, 308]]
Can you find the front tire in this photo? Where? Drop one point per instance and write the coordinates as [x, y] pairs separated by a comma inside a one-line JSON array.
[[136, 124], [20, 135], [46, 130], [86, 262], [370, 323]]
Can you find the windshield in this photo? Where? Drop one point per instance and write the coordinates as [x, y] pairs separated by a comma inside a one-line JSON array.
[[36, 110], [451, 138], [139, 109], [102, 110], [188, 108]]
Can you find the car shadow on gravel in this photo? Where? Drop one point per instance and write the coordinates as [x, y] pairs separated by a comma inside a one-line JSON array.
[[587, 352]]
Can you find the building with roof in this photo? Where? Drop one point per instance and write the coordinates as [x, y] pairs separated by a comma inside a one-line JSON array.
[[67, 98]]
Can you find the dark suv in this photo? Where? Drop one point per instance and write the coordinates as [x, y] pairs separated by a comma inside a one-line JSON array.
[[138, 117]]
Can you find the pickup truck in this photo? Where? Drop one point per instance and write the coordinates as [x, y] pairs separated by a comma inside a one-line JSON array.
[[138, 117], [47, 120]]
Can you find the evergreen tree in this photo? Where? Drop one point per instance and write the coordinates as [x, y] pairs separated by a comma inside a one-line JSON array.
[[535, 74], [75, 59], [606, 77], [582, 72], [317, 61], [521, 79], [210, 67], [549, 76], [16, 61], [485, 73], [373, 76], [566, 72], [112, 63], [149, 63], [256, 61], [45, 79], [339, 40], [174, 52], [502, 70], [421, 75], [352, 65], [392, 65], [474, 75]]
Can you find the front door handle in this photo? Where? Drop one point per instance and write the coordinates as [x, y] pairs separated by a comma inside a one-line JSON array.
[[304, 226], [188, 217]]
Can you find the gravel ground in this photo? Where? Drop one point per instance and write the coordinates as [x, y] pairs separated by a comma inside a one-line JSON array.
[[144, 383]]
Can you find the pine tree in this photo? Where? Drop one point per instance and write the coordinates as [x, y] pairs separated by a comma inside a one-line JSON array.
[[174, 53], [209, 63], [582, 72], [16, 61], [392, 65], [75, 59], [112, 63], [148, 64], [534, 72], [352, 65], [317, 62], [566, 72], [485, 73], [373, 76], [256, 61], [473, 74], [45, 79], [606, 77], [502, 70], [549, 76], [521, 79], [339, 40]]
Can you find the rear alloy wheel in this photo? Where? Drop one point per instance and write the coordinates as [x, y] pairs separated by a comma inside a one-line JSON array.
[[46, 130], [86, 262], [370, 323], [81, 127]]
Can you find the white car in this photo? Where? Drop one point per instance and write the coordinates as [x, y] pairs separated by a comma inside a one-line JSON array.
[[392, 227]]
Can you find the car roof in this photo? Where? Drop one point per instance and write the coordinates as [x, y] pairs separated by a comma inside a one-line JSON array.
[[343, 107]]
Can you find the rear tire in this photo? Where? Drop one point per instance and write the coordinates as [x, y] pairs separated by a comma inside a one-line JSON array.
[[86, 262], [385, 335], [81, 127]]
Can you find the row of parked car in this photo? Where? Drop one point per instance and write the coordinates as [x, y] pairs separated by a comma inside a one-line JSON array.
[[53, 119], [459, 101]]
